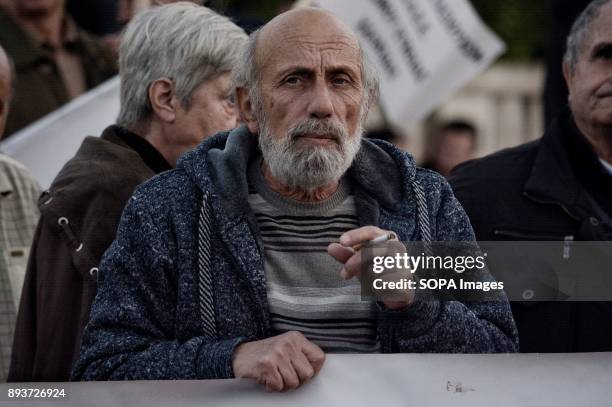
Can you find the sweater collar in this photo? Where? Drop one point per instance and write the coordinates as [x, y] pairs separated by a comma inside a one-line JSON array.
[[258, 183]]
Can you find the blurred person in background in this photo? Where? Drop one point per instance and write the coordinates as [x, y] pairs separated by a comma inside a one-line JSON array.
[[98, 17], [102, 18], [55, 61], [106, 18], [234, 250], [174, 66], [19, 193], [557, 187], [455, 143]]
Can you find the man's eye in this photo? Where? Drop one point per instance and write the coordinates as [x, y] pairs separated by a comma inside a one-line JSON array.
[[340, 80], [292, 80], [604, 52], [231, 100]]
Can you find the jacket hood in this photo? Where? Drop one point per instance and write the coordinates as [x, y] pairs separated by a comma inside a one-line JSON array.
[[219, 165], [92, 188], [92, 171]]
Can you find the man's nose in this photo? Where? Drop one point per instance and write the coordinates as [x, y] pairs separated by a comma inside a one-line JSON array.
[[321, 105]]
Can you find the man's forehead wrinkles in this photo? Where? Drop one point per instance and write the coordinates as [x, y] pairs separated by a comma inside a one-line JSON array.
[[309, 46], [317, 46], [601, 27], [329, 40], [315, 67], [594, 41]]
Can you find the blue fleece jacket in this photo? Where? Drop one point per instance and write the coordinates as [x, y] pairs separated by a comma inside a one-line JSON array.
[[145, 322]]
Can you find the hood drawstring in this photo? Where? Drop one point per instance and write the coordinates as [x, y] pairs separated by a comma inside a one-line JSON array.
[[207, 311], [64, 223]]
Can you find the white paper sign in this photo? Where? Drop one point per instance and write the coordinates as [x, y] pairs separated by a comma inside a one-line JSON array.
[[424, 50], [45, 145]]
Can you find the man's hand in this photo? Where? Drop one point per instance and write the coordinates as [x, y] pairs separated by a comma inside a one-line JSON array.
[[280, 363], [353, 260]]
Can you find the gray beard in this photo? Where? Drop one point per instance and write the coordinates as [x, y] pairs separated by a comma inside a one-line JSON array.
[[307, 167]]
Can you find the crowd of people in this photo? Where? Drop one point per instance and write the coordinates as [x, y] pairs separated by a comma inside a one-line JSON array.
[[212, 231]]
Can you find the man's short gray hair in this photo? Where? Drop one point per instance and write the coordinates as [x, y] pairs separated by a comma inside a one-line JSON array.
[[580, 32], [183, 42], [247, 75]]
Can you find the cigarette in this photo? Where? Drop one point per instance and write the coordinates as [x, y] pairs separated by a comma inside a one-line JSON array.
[[380, 239]]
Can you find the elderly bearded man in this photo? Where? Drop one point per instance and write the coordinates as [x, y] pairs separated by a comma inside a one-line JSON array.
[[221, 267]]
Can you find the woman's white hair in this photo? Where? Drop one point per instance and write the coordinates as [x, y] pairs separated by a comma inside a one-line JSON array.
[[183, 42]]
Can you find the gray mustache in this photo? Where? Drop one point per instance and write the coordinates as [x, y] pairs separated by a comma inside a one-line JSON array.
[[318, 128]]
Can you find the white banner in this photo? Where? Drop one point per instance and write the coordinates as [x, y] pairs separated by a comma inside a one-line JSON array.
[[393, 380], [424, 50], [45, 145]]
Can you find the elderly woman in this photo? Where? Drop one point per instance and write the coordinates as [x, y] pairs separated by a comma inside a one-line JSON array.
[[174, 65]]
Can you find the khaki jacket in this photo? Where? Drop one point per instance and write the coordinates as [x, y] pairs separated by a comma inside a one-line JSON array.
[[39, 87]]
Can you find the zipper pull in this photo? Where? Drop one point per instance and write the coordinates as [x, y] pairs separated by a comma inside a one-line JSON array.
[[567, 241]]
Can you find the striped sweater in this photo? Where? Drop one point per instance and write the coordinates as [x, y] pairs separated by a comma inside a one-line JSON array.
[[305, 291]]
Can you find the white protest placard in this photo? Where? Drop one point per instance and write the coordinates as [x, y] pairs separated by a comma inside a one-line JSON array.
[[424, 50], [45, 145]]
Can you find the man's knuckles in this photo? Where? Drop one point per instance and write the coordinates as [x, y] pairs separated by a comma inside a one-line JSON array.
[[291, 382], [339, 252], [268, 362], [282, 352], [295, 336]]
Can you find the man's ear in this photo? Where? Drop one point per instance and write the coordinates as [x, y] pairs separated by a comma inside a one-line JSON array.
[[245, 108], [162, 98], [567, 74]]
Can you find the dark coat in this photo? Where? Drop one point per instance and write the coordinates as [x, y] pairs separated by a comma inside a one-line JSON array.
[[39, 87], [550, 189], [79, 217]]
